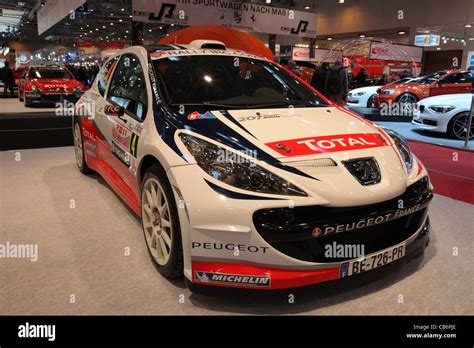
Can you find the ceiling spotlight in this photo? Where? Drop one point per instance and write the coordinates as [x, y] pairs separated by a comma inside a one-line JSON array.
[[161, 28], [120, 20], [307, 7], [172, 24], [42, 3], [362, 35], [468, 26], [329, 38], [126, 31], [149, 30], [96, 29], [401, 32], [111, 23], [122, 9], [103, 27], [438, 48], [268, 1], [471, 39], [340, 1]]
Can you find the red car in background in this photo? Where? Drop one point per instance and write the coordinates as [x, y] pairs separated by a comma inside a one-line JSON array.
[[48, 85], [441, 82]]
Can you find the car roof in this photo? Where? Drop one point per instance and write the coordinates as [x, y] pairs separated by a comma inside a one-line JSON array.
[[164, 51]]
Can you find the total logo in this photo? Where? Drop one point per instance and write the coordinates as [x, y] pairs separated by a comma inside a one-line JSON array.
[[197, 116], [380, 50], [334, 143]]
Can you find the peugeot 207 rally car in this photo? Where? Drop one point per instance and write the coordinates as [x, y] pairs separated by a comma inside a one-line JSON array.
[[243, 175]]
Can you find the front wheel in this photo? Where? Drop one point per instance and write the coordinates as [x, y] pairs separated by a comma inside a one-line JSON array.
[[407, 98], [161, 223], [79, 149], [457, 127]]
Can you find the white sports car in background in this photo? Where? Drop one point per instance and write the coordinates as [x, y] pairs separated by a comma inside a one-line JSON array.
[[363, 97], [243, 175], [446, 114]]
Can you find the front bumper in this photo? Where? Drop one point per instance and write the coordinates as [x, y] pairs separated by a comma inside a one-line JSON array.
[[437, 122], [226, 236], [381, 99], [51, 98]]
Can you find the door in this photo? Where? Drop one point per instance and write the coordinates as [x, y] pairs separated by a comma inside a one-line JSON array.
[[460, 82], [127, 91]]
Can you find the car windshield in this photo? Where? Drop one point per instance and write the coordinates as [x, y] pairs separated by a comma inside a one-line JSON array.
[[229, 81], [431, 78], [41, 73]]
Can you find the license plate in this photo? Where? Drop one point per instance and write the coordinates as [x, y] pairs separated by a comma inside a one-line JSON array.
[[372, 261]]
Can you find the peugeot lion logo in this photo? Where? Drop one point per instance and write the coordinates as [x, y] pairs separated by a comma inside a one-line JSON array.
[[365, 170]]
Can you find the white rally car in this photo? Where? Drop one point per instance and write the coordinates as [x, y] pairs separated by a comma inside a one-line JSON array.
[[243, 175], [448, 113]]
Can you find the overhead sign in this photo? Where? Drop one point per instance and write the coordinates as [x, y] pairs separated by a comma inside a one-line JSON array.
[[54, 11], [397, 53], [238, 15], [427, 40]]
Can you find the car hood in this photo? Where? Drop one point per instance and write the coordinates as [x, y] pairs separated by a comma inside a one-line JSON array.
[[55, 82], [456, 99], [365, 89], [288, 132]]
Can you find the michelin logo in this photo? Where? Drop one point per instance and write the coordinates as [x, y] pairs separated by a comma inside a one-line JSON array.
[[233, 279]]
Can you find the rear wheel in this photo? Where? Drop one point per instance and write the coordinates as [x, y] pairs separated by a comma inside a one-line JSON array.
[[161, 223], [26, 101], [457, 127]]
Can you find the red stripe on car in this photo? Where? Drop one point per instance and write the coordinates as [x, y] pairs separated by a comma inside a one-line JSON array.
[[279, 278]]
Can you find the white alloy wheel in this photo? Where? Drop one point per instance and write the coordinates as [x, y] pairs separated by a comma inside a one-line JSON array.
[[157, 221]]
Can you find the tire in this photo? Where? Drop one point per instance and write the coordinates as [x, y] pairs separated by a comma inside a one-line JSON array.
[[26, 102], [160, 223], [407, 98], [370, 101], [455, 126], [79, 148]]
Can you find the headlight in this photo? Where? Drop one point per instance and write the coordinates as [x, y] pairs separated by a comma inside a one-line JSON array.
[[358, 94], [403, 147], [388, 92], [236, 170], [77, 91], [35, 89], [441, 108]]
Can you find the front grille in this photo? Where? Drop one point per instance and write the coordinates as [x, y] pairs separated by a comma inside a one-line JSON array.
[[291, 230]]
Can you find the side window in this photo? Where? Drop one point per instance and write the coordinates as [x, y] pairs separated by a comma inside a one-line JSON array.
[[128, 88], [104, 75], [455, 78]]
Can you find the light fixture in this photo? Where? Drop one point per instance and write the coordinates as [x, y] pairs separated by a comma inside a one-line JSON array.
[[468, 25], [340, 1], [111, 23], [42, 3], [471, 39], [268, 1], [401, 32], [172, 24], [362, 35], [307, 7], [122, 9], [329, 38], [149, 30]]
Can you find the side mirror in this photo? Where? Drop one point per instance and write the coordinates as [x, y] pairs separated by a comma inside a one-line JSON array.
[[114, 110]]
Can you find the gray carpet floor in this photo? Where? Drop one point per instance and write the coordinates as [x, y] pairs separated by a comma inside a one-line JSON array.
[[82, 257]]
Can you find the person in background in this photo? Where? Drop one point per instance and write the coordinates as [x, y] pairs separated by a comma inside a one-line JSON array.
[[361, 78], [318, 81], [336, 84], [7, 78], [292, 66]]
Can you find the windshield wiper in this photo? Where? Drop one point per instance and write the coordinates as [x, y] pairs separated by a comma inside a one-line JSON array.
[[288, 104], [206, 104]]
